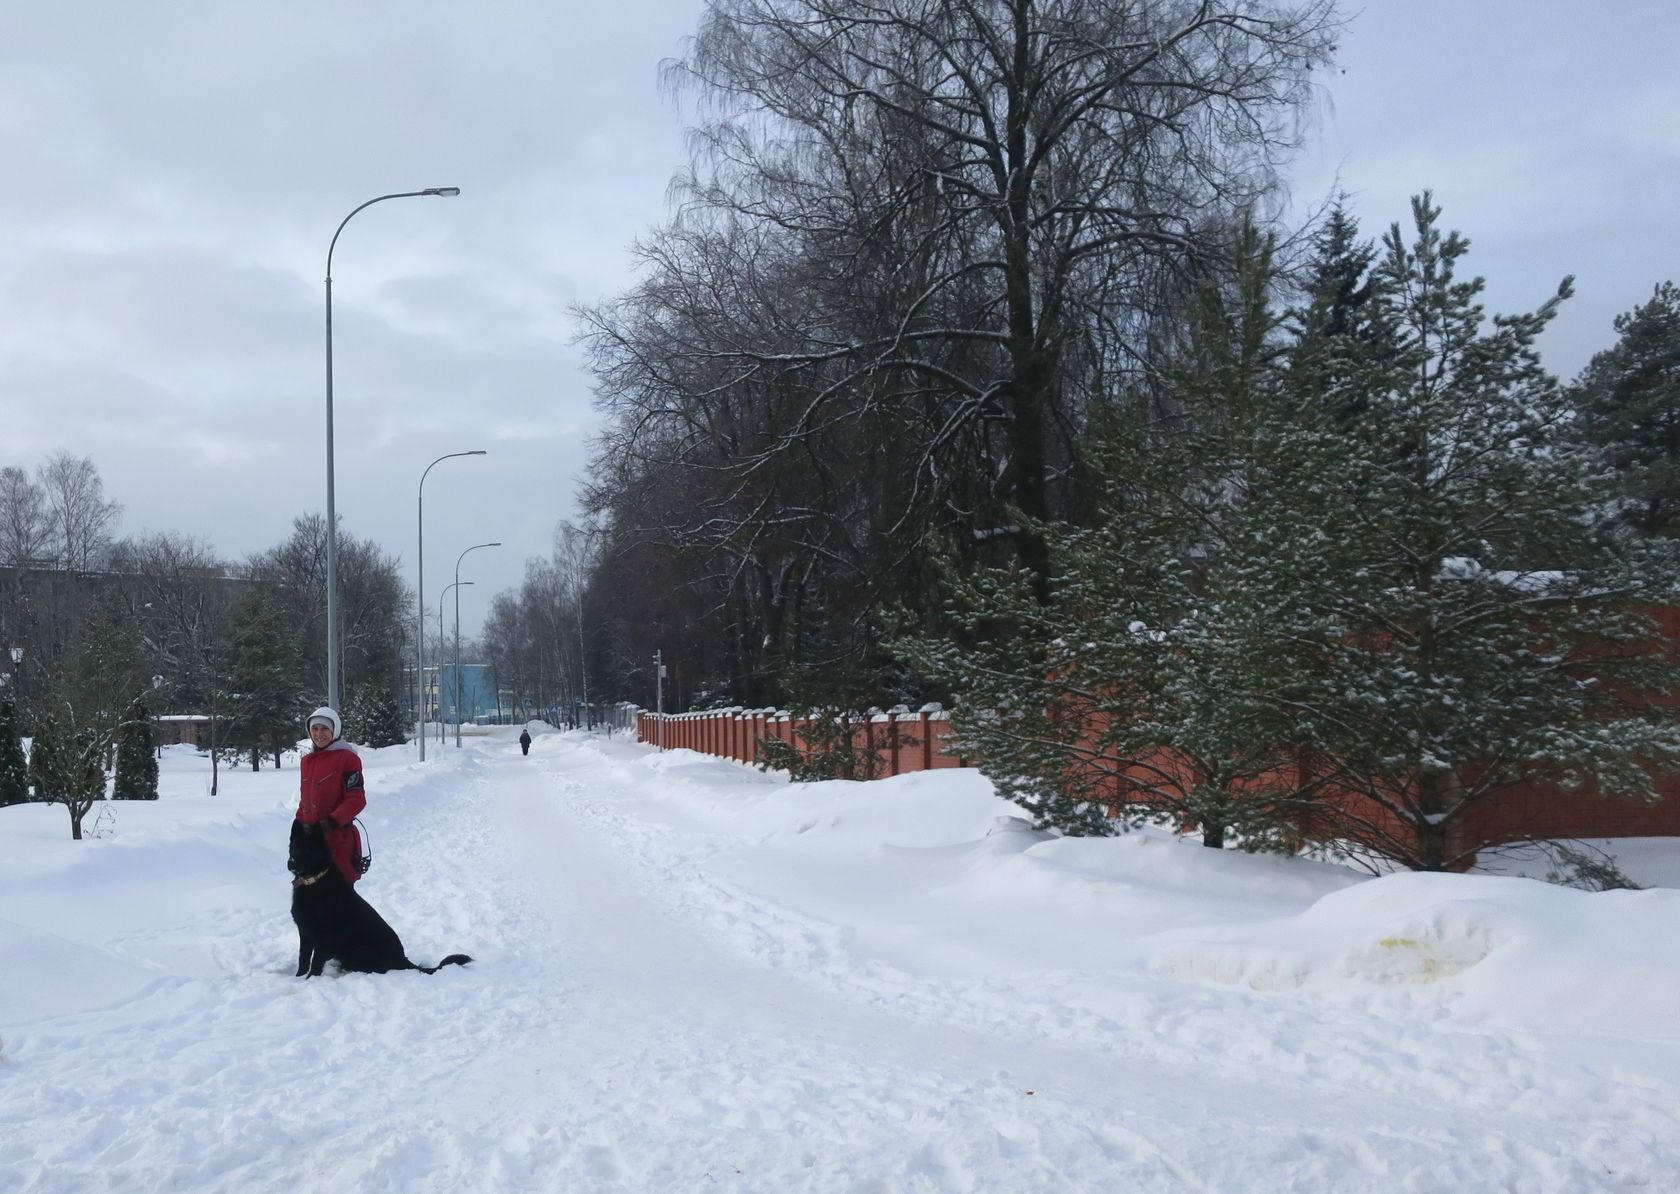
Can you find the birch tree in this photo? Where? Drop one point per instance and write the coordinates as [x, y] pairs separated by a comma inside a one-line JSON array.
[[79, 516], [25, 534]]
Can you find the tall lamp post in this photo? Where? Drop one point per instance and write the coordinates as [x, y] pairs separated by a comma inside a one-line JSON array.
[[420, 593], [332, 513], [456, 586], [157, 687], [458, 560]]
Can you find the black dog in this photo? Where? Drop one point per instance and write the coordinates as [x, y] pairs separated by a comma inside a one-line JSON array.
[[334, 922]]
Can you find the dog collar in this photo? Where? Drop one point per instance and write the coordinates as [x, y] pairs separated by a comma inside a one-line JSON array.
[[300, 881]]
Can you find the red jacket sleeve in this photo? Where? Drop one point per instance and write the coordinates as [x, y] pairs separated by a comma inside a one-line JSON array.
[[354, 799]]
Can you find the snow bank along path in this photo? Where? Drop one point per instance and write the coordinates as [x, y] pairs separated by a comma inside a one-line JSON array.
[[694, 977]]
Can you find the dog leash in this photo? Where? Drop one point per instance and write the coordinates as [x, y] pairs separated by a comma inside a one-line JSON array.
[[363, 861]]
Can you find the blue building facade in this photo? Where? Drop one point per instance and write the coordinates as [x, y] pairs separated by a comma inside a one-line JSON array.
[[477, 692]]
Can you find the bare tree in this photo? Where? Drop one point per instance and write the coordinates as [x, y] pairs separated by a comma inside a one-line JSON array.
[[79, 517], [184, 599], [1011, 176], [532, 639], [574, 558], [921, 240], [24, 530], [373, 626]]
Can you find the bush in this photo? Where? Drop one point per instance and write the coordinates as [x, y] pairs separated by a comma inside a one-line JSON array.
[[833, 752], [374, 719]]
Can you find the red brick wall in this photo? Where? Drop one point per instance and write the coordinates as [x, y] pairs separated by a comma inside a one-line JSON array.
[[906, 742], [899, 741]]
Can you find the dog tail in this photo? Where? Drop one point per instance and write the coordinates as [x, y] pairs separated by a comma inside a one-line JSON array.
[[451, 960]]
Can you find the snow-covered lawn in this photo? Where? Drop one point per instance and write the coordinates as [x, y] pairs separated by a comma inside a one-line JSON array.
[[693, 977]]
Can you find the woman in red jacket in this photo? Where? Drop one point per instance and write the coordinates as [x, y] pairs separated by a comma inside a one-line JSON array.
[[331, 789]]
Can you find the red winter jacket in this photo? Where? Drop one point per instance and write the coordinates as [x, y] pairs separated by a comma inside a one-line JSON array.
[[331, 790]]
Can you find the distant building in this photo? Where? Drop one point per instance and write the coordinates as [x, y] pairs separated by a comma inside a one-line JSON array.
[[174, 729], [477, 692]]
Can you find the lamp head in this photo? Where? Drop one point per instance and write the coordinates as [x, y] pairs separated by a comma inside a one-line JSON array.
[[446, 192]]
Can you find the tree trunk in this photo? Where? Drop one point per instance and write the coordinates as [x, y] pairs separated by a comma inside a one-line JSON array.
[[215, 770], [1431, 826]]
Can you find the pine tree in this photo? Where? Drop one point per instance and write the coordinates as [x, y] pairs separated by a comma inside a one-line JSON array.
[[137, 769], [1194, 723], [1456, 630], [43, 759], [374, 718], [267, 678], [1122, 694], [14, 767], [80, 719], [1629, 402], [66, 763], [1338, 288], [1349, 600], [1334, 333]]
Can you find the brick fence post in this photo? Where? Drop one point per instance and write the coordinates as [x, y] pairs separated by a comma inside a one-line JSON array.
[[927, 712]]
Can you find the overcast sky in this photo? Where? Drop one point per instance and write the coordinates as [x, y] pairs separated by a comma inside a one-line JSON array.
[[174, 173]]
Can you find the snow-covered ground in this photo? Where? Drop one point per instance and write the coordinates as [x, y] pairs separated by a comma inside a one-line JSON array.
[[693, 977]]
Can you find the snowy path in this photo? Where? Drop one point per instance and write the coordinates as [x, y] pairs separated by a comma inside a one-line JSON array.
[[668, 1060], [663, 1002]]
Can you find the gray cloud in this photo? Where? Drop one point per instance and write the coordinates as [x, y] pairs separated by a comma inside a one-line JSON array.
[[1546, 130], [176, 170]]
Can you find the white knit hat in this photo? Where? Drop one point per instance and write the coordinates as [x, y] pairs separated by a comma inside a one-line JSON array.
[[325, 716]]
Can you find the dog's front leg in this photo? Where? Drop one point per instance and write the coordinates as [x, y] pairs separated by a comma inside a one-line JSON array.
[[304, 952], [319, 964]]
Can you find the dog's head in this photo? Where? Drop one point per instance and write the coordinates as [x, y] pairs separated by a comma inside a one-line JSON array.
[[308, 853]]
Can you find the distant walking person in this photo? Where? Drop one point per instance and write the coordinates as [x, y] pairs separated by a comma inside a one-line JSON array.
[[331, 793], [525, 741]]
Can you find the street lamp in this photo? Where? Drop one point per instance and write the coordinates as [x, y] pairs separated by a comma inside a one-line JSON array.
[[441, 596], [157, 740], [332, 513], [458, 560], [420, 593]]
